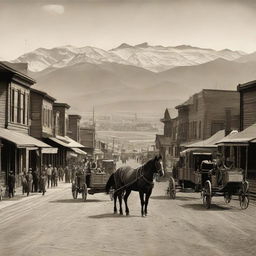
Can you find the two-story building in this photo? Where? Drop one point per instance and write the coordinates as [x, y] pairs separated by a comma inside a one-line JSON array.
[[68, 149], [88, 139], [18, 150], [206, 113]]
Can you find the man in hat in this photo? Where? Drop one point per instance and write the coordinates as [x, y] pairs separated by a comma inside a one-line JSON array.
[[49, 175], [11, 183]]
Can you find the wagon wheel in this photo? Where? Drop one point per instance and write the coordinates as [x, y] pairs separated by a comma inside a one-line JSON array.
[[227, 198], [171, 189], [244, 201], [84, 192], [74, 191], [207, 194], [111, 194]]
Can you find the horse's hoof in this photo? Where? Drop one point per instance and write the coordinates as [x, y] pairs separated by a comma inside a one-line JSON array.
[[127, 214], [115, 212]]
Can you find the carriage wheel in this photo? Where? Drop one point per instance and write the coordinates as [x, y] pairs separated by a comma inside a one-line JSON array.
[[74, 191], [227, 198], [244, 201], [171, 189], [85, 192], [207, 194], [111, 194]]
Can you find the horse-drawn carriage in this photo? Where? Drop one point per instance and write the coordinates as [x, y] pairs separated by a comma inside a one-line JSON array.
[[93, 182], [184, 173], [226, 182]]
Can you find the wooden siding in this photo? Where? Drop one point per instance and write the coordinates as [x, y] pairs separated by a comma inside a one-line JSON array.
[[248, 108], [35, 112], [3, 103]]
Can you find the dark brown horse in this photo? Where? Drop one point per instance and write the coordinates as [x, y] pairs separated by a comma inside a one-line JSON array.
[[126, 179]]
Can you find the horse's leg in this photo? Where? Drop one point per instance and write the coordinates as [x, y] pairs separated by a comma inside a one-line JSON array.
[[128, 192], [120, 202], [142, 202], [146, 202], [115, 198]]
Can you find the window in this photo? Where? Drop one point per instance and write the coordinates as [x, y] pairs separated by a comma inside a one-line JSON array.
[[12, 105], [199, 130]]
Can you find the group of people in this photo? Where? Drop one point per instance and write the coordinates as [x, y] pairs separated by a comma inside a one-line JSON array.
[[35, 180]]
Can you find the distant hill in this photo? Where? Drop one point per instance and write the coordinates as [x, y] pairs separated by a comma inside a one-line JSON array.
[[113, 87]]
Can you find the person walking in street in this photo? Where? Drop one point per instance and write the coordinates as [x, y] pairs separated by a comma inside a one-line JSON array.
[[24, 181], [29, 178], [11, 184], [55, 177], [60, 173], [35, 175], [42, 182], [49, 175]]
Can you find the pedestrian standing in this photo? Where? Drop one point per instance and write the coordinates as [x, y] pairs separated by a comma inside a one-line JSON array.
[[35, 175], [60, 173], [55, 177], [11, 183], [42, 182], [24, 181], [49, 175], [29, 178]]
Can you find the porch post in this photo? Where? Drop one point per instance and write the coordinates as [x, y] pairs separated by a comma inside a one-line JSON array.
[[246, 165]]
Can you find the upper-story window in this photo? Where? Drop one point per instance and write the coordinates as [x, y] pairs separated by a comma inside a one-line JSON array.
[[47, 117], [18, 111]]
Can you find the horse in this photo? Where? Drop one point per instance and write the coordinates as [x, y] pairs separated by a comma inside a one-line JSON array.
[[141, 179]]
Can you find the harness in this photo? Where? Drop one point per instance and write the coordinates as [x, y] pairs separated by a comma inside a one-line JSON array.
[[139, 174]]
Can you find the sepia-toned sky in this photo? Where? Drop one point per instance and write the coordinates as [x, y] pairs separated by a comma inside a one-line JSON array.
[[29, 24]]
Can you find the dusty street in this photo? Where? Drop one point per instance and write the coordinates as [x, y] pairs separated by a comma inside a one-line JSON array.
[[56, 224]]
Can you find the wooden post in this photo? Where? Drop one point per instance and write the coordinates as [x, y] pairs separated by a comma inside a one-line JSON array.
[[246, 165]]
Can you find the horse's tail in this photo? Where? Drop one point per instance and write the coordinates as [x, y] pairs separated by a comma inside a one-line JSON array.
[[110, 183]]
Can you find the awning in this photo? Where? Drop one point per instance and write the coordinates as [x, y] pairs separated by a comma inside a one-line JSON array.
[[22, 140], [66, 142], [198, 151], [210, 142], [49, 150], [79, 151], [240, 138]]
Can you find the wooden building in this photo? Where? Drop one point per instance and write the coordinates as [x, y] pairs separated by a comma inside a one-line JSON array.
[[18, 150], [241, 148], [166, 143], [206, 113], [74, 127], [69, 150], [88, 139], [42, 125]]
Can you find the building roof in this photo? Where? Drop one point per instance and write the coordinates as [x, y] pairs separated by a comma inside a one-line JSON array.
[[247, 85], [42, 93], [66, 142], [4, 67], [210, 142], [59, 104], [243, 137], [75, 116], [22, 140]]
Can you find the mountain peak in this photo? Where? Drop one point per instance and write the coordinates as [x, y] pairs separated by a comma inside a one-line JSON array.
[[143, 45], [123, 46]]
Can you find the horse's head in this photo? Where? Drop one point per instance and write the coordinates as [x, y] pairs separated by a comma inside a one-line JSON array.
[[158, 165]]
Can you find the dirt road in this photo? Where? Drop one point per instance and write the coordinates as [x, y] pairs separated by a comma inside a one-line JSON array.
[[56, 224]]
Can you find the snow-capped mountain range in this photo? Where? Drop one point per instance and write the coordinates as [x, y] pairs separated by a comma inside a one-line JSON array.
[[153, 58]]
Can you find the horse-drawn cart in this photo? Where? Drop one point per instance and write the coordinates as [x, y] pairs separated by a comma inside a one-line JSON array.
[[93, 182], [223, 182]]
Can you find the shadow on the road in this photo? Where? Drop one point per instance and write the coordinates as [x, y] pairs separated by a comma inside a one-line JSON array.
[[110, 215], [181, 198], [74, 201], [200, 207]]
